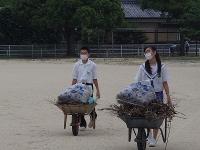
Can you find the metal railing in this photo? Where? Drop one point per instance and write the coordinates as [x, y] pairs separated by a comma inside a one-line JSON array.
[[33, 51], [105, 51], [134, 50]]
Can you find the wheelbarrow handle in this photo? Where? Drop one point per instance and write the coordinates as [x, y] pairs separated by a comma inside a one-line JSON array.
[[164, 134], [65, 121]]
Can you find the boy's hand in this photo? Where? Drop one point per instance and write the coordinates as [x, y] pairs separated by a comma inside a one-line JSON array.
[[98, 94]]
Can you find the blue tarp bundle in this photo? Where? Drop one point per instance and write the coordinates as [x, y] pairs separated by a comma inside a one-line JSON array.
[[138, 93], [78, 93]]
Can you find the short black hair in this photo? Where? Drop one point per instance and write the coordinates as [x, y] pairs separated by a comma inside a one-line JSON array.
[[85, 48]]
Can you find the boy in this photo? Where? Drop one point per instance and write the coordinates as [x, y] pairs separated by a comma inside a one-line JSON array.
[[85, 72]]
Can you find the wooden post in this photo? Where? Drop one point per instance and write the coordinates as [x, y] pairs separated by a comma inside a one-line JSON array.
[[121, 51], [9, 51], [32, 51]]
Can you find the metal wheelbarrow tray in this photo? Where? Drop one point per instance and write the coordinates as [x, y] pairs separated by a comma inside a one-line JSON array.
[[141, 122], [69, 109]]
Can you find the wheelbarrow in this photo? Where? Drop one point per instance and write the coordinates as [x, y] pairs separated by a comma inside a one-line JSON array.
[[143, 125], [76, 110]]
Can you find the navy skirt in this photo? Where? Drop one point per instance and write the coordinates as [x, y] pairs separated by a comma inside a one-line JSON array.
[[159, 97]]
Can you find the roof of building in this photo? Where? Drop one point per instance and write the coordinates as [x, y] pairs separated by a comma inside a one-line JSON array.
[[132, 9]]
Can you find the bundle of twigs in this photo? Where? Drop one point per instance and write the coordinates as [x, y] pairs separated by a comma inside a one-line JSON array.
[[151, 111]]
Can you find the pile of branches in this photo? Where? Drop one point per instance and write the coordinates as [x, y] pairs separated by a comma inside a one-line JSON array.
[[150, 112]]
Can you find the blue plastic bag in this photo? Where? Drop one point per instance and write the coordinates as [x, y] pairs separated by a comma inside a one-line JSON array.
[[140, 92], [75, 93]]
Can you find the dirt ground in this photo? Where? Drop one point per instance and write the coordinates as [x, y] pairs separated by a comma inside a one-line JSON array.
[[29, 122]]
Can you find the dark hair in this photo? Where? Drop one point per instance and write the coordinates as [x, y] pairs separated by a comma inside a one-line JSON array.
[[158, 60], [85, 48]]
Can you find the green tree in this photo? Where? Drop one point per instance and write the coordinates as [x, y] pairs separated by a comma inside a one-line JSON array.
[[190, 23], [4, 3], [31, 14], [10, 30], [90, 18], [26, 23], [109, 15], [48, 21]]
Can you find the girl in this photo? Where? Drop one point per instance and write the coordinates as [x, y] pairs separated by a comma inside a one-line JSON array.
[[156, 72]]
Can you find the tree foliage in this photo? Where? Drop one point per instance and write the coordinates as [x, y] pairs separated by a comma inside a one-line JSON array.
[[190, 23], [48, 21]]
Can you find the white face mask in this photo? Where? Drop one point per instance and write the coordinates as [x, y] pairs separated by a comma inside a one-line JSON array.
[[84, 57], [148, 56]]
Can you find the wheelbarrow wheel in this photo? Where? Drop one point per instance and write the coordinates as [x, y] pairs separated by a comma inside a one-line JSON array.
[[75, 130], [141, 139], [75, 124]]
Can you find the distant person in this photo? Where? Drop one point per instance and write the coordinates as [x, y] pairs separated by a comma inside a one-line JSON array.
[[156, 73], [85, 71], [187, 47], [172, 49]]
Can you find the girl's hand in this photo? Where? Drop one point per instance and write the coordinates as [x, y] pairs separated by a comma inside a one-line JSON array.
[[169, 102]]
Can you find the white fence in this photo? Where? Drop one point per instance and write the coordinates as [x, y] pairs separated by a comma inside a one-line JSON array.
[[56, 51], [126, 50], [194, 49], [33, 51], [138, 50]]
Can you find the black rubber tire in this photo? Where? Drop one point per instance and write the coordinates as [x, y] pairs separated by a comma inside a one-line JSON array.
[[75, 130], [129, 134], [75, 124], [141, 143]]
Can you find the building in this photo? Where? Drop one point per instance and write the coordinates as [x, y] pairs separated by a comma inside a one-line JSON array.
[[154, 24]]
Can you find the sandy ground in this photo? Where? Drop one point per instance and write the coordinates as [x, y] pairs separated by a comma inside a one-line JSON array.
[[29, 122]]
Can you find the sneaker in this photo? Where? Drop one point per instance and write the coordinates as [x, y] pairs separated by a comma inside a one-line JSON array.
[[149, 138], [152, 142], [83, 123], [91, 123], [93, 117]]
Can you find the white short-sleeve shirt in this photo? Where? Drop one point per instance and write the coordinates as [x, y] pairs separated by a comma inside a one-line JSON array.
[[85, 73], [143, 75]]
